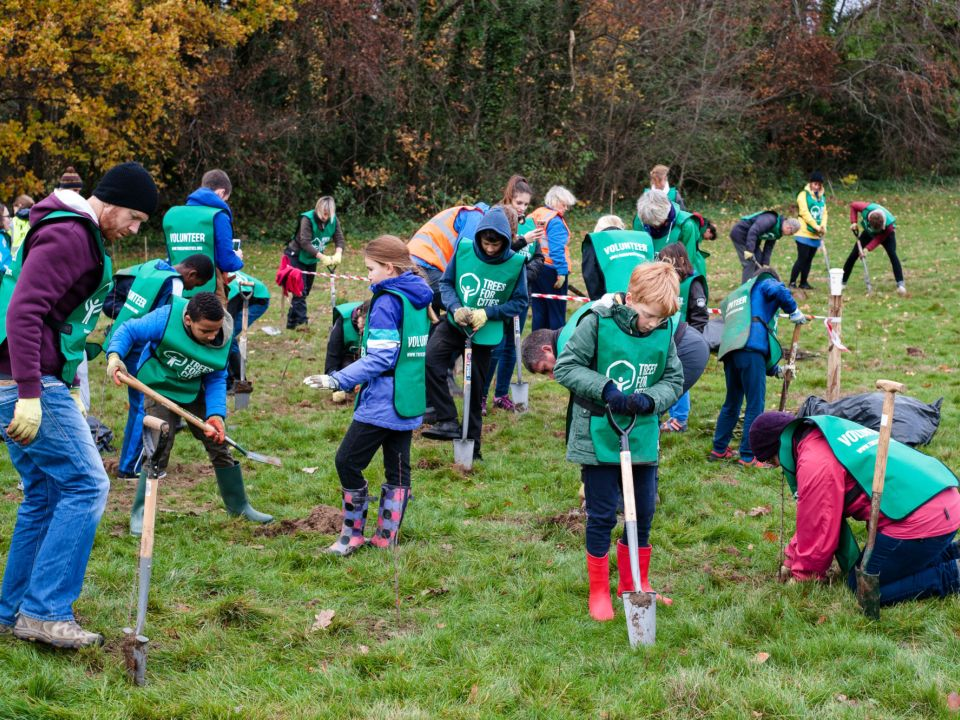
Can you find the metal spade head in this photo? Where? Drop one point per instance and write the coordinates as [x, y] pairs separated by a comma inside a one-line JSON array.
[[640, 609], [520, 394], [463, 453], [135, 656], [868, 593]]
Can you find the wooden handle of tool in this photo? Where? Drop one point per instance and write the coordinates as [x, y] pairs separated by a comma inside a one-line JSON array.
[[168, 404], [149, 516], [154, 423], [626, 477], [890, 389]]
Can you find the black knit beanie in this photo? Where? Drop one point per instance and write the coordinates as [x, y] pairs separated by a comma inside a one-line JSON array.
[[816, 176], [129, 185], [765, 433]]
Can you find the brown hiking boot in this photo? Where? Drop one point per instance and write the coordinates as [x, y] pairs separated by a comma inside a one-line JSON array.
[[59, 633]]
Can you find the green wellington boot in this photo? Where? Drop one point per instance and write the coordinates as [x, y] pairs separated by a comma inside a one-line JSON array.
[[230, 482], [136, 511]]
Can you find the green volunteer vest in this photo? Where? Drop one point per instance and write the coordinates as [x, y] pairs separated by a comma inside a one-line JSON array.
[[178, 362], [888, 218], [911, 478], [148, 281], [776, 233], [188, 230], [410, 372], [481, 284], [320, 237], [351, 338], [618, 253], [83, 319], [816, 210], [633, 363], [567, 330], [260, 291], [738, 317], [529, 249]]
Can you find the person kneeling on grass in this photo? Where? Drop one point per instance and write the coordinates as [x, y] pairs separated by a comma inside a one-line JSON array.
[[392, 399], [828, 463], [186, 345], [750, 351], [621, 358]]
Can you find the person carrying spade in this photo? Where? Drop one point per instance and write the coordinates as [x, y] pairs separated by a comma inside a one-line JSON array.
[[621, 357], [829, 465]]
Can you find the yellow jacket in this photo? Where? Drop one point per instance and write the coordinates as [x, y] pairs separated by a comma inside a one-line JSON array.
[[809, 212]]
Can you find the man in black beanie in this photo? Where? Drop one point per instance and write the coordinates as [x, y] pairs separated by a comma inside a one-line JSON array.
[[51, 301]]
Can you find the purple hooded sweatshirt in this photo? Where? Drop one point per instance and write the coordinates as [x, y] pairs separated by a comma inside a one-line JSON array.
[[61, 269]]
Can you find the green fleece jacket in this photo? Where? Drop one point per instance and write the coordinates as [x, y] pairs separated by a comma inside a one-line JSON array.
[[573, 371]]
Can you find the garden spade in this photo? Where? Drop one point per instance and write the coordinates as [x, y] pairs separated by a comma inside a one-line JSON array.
[[519, 391], [333, 286], [463, 448], [193, 419], [243, 387], [640, 608], [868, 584], [863, 259], [155, 434]]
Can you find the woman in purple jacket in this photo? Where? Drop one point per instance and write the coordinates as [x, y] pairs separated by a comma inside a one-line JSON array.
[[392, 397]]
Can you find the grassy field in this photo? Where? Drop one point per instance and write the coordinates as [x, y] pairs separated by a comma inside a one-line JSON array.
[[481, 611]]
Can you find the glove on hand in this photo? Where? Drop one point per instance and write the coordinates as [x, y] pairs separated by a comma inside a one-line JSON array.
[[321, 382], [797, 317], [462, 315], [78, 401], [617, 401], [747, 255], [114, 363], [217, 433], [339, 397], [641, 404], [25, 425], [478, 319], [854, 227], [561, 279]]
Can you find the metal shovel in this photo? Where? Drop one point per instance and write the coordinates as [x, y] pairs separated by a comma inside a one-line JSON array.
[[243, 387], [863, 260], [333, 286], [640, 608], [868, 584], [519, 391], [463, 448], [155, 434]]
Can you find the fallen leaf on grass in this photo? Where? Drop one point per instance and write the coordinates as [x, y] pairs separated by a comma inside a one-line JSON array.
[[434, 591], [446, 546], [363, 649], [322, 620], [474, 691], [770, 536], [953, 701], [739, 513], [821, 620], [761, 657], [310, 470], [759, 510]]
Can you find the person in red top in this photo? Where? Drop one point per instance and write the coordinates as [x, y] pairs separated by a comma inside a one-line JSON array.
[[915, 556], [875, 227]]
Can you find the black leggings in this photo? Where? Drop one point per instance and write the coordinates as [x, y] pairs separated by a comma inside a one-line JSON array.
[[890, 245], [359, 446], [801, 268]]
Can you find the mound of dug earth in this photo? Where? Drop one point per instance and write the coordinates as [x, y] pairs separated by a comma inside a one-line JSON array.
[[322, 519]]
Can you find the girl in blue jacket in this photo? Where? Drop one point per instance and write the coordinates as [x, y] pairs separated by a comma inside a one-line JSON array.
[[392, 396]]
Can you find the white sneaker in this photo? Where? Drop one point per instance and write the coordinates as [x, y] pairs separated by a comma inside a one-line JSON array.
[[59, 633], [901, 289]]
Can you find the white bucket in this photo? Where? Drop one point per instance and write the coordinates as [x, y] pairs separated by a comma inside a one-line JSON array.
[[836, 281]]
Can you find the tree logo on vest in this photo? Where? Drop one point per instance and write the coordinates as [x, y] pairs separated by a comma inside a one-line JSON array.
[[92, 306], [469, 286], [623, 374], [185, 367], [173, 359]]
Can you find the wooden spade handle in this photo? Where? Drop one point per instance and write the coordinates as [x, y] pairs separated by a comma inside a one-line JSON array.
[[890, 389], [168, 404], [889, 386]]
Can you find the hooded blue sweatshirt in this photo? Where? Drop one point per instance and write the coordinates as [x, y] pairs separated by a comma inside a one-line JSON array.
[[383, 349], [223, 255], [497, 221]]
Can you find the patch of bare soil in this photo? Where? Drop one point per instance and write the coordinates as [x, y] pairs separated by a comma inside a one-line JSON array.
[[174, 489], [322, 519], [574, 520]]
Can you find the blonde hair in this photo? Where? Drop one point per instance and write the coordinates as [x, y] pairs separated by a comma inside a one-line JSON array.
[[657, 285], [389, 250], [660, 171], [876, 219], [609, 222], [326, 204], [558, 195]]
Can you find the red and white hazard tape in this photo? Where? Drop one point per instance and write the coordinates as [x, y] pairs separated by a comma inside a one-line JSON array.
[[574, 298], [336, 275]]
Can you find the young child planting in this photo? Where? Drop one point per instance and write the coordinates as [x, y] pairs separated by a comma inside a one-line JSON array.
[[621, 357], [391, 401]]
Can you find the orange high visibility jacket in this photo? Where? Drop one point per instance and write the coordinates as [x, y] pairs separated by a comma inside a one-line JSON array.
[[541, 217], [435, 242]]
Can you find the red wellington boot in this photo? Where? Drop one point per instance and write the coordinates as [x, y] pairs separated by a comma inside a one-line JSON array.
[[598, 571], [625, 581]]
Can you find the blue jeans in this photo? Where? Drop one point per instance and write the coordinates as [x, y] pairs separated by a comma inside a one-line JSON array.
[[681, 409], [602, 490], [132, 448], [503, 359], [911, 569], [64, 494], [746, 375]]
